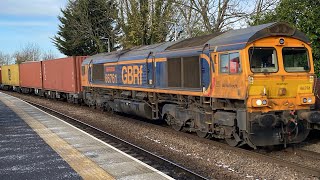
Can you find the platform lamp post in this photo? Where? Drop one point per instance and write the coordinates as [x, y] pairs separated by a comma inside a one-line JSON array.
[[175, 29], [104, 38]]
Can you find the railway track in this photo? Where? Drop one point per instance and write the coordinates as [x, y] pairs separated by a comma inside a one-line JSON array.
[[174, 170], [168, 167], [302, 152], [294, 165]]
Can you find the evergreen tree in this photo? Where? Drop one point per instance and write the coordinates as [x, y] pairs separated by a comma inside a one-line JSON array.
[[87, 27], [144, 22]]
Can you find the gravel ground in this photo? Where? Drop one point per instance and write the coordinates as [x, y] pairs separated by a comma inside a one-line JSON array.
[[313, 144], [315, 147], [312, 147], [296, 158], [200, 155]]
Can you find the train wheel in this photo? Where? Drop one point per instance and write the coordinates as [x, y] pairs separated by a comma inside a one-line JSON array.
[[232, 142], [172, 122], [203, 134], [176, 127]]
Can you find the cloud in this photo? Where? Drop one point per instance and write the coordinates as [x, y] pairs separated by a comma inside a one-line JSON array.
[[32, 7]]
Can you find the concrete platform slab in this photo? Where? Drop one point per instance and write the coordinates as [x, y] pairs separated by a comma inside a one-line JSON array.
[[86, 156]]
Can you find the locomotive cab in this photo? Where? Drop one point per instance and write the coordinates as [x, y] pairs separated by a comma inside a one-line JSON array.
[[270, 85], [280, 90]]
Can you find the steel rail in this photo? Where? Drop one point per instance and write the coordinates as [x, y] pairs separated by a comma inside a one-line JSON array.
[[303, 152]]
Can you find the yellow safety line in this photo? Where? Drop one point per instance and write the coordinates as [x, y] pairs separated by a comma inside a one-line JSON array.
[[85, 167]]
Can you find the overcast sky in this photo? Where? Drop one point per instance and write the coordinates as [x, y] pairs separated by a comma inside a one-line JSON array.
[[29, 21]]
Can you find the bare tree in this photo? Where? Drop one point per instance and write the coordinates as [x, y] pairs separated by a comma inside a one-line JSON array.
[[29, 52], [188, 19], [212, 15], [5, 59], [261, 8], [209, 16], [48, 55]]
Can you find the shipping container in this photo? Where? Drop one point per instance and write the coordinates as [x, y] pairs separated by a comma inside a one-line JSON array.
[[10, 75], [31, 75], [63, 75]]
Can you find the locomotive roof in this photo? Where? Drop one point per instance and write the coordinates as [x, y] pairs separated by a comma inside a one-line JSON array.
[[240, 38], [230, 40]]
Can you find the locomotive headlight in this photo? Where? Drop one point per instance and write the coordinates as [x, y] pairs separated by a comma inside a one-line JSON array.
[[259, 102], [304, 100], [309, 100], [264, 102], [281, 41]]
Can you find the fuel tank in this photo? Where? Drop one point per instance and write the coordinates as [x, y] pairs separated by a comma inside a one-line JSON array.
[[131, 107]]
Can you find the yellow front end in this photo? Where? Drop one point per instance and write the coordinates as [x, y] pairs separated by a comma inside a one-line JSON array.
[[10, 75], [280, 90], [280, 93], [280, 76]]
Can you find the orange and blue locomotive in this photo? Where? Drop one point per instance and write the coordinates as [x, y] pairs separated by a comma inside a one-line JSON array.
[[250, 86]]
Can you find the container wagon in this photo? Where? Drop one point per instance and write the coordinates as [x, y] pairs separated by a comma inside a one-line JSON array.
[[10, 77], [62, 78], [31, 77]]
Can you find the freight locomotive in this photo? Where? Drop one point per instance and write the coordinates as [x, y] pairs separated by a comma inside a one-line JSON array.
[[250, 86]]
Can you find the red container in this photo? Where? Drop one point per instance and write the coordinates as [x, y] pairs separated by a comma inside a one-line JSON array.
[[63, 75], [30, 75]]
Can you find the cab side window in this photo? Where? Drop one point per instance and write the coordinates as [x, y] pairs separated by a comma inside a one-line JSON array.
[[224, 63], [230, 63]]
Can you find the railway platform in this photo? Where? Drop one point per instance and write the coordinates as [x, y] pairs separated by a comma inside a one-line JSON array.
[[36, 145]]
